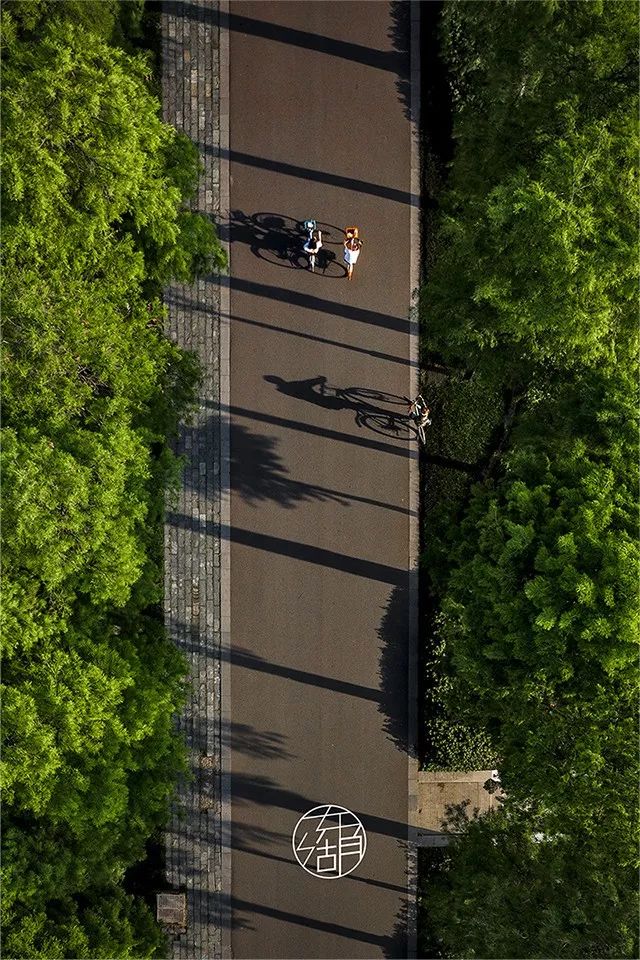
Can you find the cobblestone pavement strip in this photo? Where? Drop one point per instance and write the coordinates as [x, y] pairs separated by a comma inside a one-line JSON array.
[[190, 95]]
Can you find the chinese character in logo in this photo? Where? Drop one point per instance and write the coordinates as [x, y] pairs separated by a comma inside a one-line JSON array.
[[329, 841]]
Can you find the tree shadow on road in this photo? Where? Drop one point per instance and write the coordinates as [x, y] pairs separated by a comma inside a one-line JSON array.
[[182, 301], [397, 946], [400, 36], [249, 789], [235, 912], [389, 60], [263, 791], [264, 744], [250, 660], [307, 301], [258, 475], [353, 184], [393, 633]]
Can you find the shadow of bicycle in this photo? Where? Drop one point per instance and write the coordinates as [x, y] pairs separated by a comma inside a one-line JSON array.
[[366, 395], [279, 240], [386, 424], [369, 406]]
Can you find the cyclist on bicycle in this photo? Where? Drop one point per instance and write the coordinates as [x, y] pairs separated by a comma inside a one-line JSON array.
[[313, 244], [419, 412]]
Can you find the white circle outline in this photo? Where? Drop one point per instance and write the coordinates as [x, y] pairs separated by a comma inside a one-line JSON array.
[[324, 806]]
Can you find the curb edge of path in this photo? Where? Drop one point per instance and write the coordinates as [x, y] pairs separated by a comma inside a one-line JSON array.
[[225, 505], [414, 495]]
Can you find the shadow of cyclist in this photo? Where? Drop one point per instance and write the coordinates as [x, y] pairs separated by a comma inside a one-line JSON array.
[[271, 238], [313, 390]]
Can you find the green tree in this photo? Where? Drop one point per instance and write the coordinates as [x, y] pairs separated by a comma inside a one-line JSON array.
[[511, 891], [94, 193], [107, 923], [540, 601], [549, 258], [535, 573], [538, 239]]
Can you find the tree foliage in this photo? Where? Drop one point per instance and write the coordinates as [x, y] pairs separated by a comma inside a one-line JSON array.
[[94, 187], [539, 229], [535, 290], [541, 602], [541, 896]]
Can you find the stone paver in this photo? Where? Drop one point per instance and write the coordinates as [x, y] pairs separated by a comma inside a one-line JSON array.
[[190, 94], [440, 791]]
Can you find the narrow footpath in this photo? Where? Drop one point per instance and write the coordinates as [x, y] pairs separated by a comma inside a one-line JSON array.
[[323, 520], [291, 550]]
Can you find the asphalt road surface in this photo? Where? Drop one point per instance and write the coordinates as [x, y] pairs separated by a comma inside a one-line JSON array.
[[320, 456]]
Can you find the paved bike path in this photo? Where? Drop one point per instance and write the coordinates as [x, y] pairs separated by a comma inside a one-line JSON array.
[[321, 513]]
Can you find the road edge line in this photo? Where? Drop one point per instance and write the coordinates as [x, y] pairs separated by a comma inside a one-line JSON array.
[[225, 495], [414, 494]]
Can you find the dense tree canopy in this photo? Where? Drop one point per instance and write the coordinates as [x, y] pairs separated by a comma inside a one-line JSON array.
[[539, 236], [535, 574], [94, 186], [512, 892], [541, 600]]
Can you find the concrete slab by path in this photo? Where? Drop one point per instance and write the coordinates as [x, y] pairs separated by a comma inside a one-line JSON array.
[[439, 791]]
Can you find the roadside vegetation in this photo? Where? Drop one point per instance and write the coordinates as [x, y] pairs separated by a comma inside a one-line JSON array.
[[530, 350], [95, 223]]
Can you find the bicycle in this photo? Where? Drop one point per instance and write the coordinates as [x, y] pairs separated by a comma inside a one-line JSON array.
[[313, 242], [419, 413]]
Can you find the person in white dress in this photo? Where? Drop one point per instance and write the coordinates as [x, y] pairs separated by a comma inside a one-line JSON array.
[[352, 247]]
